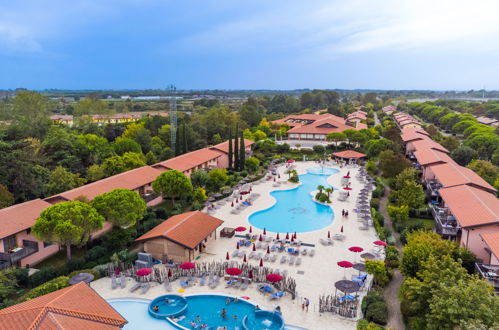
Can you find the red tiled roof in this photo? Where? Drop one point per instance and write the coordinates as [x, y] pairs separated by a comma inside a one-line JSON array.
[[486, 120], [19, 217], [492, 241], [451, 174], [307, 117], [430, 156], [132, 179], [428, 144], [411, 134], [189, 160], [314, 128], [188, 229], [349, 154], [471, 206], [357, 114], [224, 146], [74, 307]]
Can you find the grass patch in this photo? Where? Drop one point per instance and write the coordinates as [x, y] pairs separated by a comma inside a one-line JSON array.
[[428, 223], [59, 259]]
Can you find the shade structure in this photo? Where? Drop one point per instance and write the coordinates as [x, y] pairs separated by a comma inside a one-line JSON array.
[[346, 286], [250, 274], [211, 199], [244, 258], [328, 234], [233, 271], [227, 256], [347, 188], [217, 195], [295, 235], [355, 249], [349, 154], [81, 277], [360, 267], [260, 238], [277, 236], [368, 256], [264, 231], [380, 243], [287, 235], [143, 272], [341, 230], [232, 204], [240, 229], [237, 246], [251, 230], [274, 278], [117, 271], [290, 161], [345, 264], [261, 262], [268, 249], [254, 247], [187, 265]]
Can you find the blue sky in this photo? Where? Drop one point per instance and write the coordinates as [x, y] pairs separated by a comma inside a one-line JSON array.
[[258, 44]]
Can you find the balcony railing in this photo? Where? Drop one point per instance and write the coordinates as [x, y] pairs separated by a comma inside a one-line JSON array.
[[445, 222], [11, 258], [432, 188], [489, 273]]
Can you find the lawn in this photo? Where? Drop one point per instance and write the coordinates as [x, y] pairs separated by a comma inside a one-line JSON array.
[[59, 259], [428, 223]]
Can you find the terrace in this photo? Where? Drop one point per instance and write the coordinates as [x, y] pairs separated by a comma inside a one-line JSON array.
[[432, 188], [489, 273], [11, 258], [446, 223]]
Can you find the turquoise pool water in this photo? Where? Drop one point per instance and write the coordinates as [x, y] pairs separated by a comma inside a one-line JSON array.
[[135, 312], [295, 209]]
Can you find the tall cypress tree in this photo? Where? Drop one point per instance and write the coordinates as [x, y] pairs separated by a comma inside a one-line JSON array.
[[177, 142], [231, 154], [184, 138], [242, 153], [236, 149]]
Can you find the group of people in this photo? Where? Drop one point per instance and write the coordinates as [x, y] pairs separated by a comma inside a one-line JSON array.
[[344, 213]]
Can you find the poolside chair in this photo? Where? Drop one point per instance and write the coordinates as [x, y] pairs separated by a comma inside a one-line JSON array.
[[273, 258], [238, 283], [135, 287], [276, 295], [266, 257], [364, 227], [202, 281], [114, 285], [122, 281], [252, 255], [265, 246], [292, 261], [184, 284], [323, 241], [258, 255], [311, 253], [273, 248], [268, 239], [167, 285], [235, 253], [245, 284], [304, 252], [230, 283], [283, 259], [144, 288], [259, 245], [298, 261]]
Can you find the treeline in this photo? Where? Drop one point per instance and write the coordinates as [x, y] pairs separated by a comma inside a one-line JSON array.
[[488, 109]]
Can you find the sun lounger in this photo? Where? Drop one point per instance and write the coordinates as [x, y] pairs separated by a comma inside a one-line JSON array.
[[245, 284], [283, 259], [230, 283], [276, 295], [298, 262], [122, 281], [258, 255], [202, 281], [364, 227], [339, 237], [114, 284], [235, 253], [273, 258], [135, 287], [292, 260], [304, 252], [259, 245], [323, 241], [167, 285], [311, 253], [266, 257], [237, 284], [184, 284], [273, 248], [144, 288], [252, 255]]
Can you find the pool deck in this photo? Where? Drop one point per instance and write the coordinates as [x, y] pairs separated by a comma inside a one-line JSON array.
[[314, 277]]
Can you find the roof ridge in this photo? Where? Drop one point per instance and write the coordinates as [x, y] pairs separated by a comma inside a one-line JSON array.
[[480, 200], [180, 222]]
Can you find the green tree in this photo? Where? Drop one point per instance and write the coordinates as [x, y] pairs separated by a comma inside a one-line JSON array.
[[391, 163], [31, 112], [67, 223], [336, 137], [216, 179], [173, 184], [231, 153], [375, 146], [199, 195], [95, 173], [236, 149], [411, 195], [328, 191], [90, 106], [151, 158], [409, 174], [61, 180], [6, 197], [118, 164], [488, 171], [92, 149], [463, 155], [252, 164], [199, 178], [121, 207], [451, 143], [124, 144], [242, 153], [379, 271], [320, 188]]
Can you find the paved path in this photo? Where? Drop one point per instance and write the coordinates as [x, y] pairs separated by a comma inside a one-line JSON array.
[[391, 291], [376, 119]]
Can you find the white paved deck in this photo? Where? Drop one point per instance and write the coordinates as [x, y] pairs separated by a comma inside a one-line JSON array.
[[319, 272]]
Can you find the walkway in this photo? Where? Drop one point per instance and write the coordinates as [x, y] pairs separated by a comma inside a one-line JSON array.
[[391, 291], [376, 119]]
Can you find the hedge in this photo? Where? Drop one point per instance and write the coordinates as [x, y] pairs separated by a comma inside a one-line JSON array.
[[90, 271], [48, 287], [374, 308]]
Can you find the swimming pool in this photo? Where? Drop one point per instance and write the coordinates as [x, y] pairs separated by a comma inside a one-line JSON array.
[[295, 210], [135, 312]]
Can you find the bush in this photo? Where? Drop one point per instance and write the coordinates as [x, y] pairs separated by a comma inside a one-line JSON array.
[[322, 197], [161, 213], [95, 253], [319, 149], [101, 269], [371, 297], [76, 263], [375, 203], [377, 312], [392, 256], [90, 271], [43, 275], [364, 324], [48, 287]]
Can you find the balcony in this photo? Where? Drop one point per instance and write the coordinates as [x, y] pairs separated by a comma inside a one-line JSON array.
[[445, 223], [8, 259], [489, 273], [432, 188]]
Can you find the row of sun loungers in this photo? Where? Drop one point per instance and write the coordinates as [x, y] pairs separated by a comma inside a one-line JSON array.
[[143, 286], [291, 260], [118, 282], [238, 282]]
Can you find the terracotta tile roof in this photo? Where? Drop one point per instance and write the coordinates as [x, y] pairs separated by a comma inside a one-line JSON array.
[[189, 160], [132, 179], [307, 117], [486, 120], [411, 134], [471, 206], [74, 307], [428, 143], [492, 241], [323, 126], [61, 117], [224, 146], [187, 229], [431, 156], [360, 126], [349, 154], [357, 114], [389, 108], [451, 174], [19, 217]]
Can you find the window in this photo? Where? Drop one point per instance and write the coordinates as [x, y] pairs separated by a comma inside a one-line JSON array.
[[9, 243], [47, 244]]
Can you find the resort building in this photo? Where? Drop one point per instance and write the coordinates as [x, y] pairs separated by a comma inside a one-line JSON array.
[[62, 119], [74, 307], [489, 268], [195, 160], [389, 109], [404, 120], [314, 128], [182, 237], [223, 149], [356, 117], [18, 247], [488, 121]]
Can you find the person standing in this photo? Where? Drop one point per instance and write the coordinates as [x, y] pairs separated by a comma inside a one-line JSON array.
[[306, 303]]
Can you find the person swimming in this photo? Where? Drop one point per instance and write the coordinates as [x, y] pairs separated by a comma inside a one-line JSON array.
[[198, 319], [155, 308], [227, 301], [223, 313], [167, 301], [236, 300]]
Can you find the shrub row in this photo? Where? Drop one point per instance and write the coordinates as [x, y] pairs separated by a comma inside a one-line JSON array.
[[50, 286], [374, 308]]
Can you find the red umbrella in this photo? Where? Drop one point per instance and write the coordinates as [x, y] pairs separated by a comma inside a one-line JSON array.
[[292, 238], [380, 243], [277, 236], [251, 230], [347, 188], [244, 258], [345, 264], [268, 249], [287, 235], [278, 176], [237, 246], [232, 204], [260, 238], [233, 271], [254, 247], [241, 198], [237, 200], [261, 262], [295, 235], [143, 272], [328, 234], [264, 231], [187, 265], [169, 272], [117, 271], [227, 256], [341, 230], [274, 179], [250, 275], [290, 161], [274, 278], [356, 249], [240, 229]]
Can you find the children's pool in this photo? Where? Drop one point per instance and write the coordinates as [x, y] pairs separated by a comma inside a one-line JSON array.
[[295, 210], [135, 312]]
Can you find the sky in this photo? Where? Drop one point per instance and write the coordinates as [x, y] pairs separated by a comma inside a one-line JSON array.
[[253, 44]]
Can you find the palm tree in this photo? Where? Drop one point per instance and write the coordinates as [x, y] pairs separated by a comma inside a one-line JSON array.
[[320, 188], [289, 172], [328, 192]]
